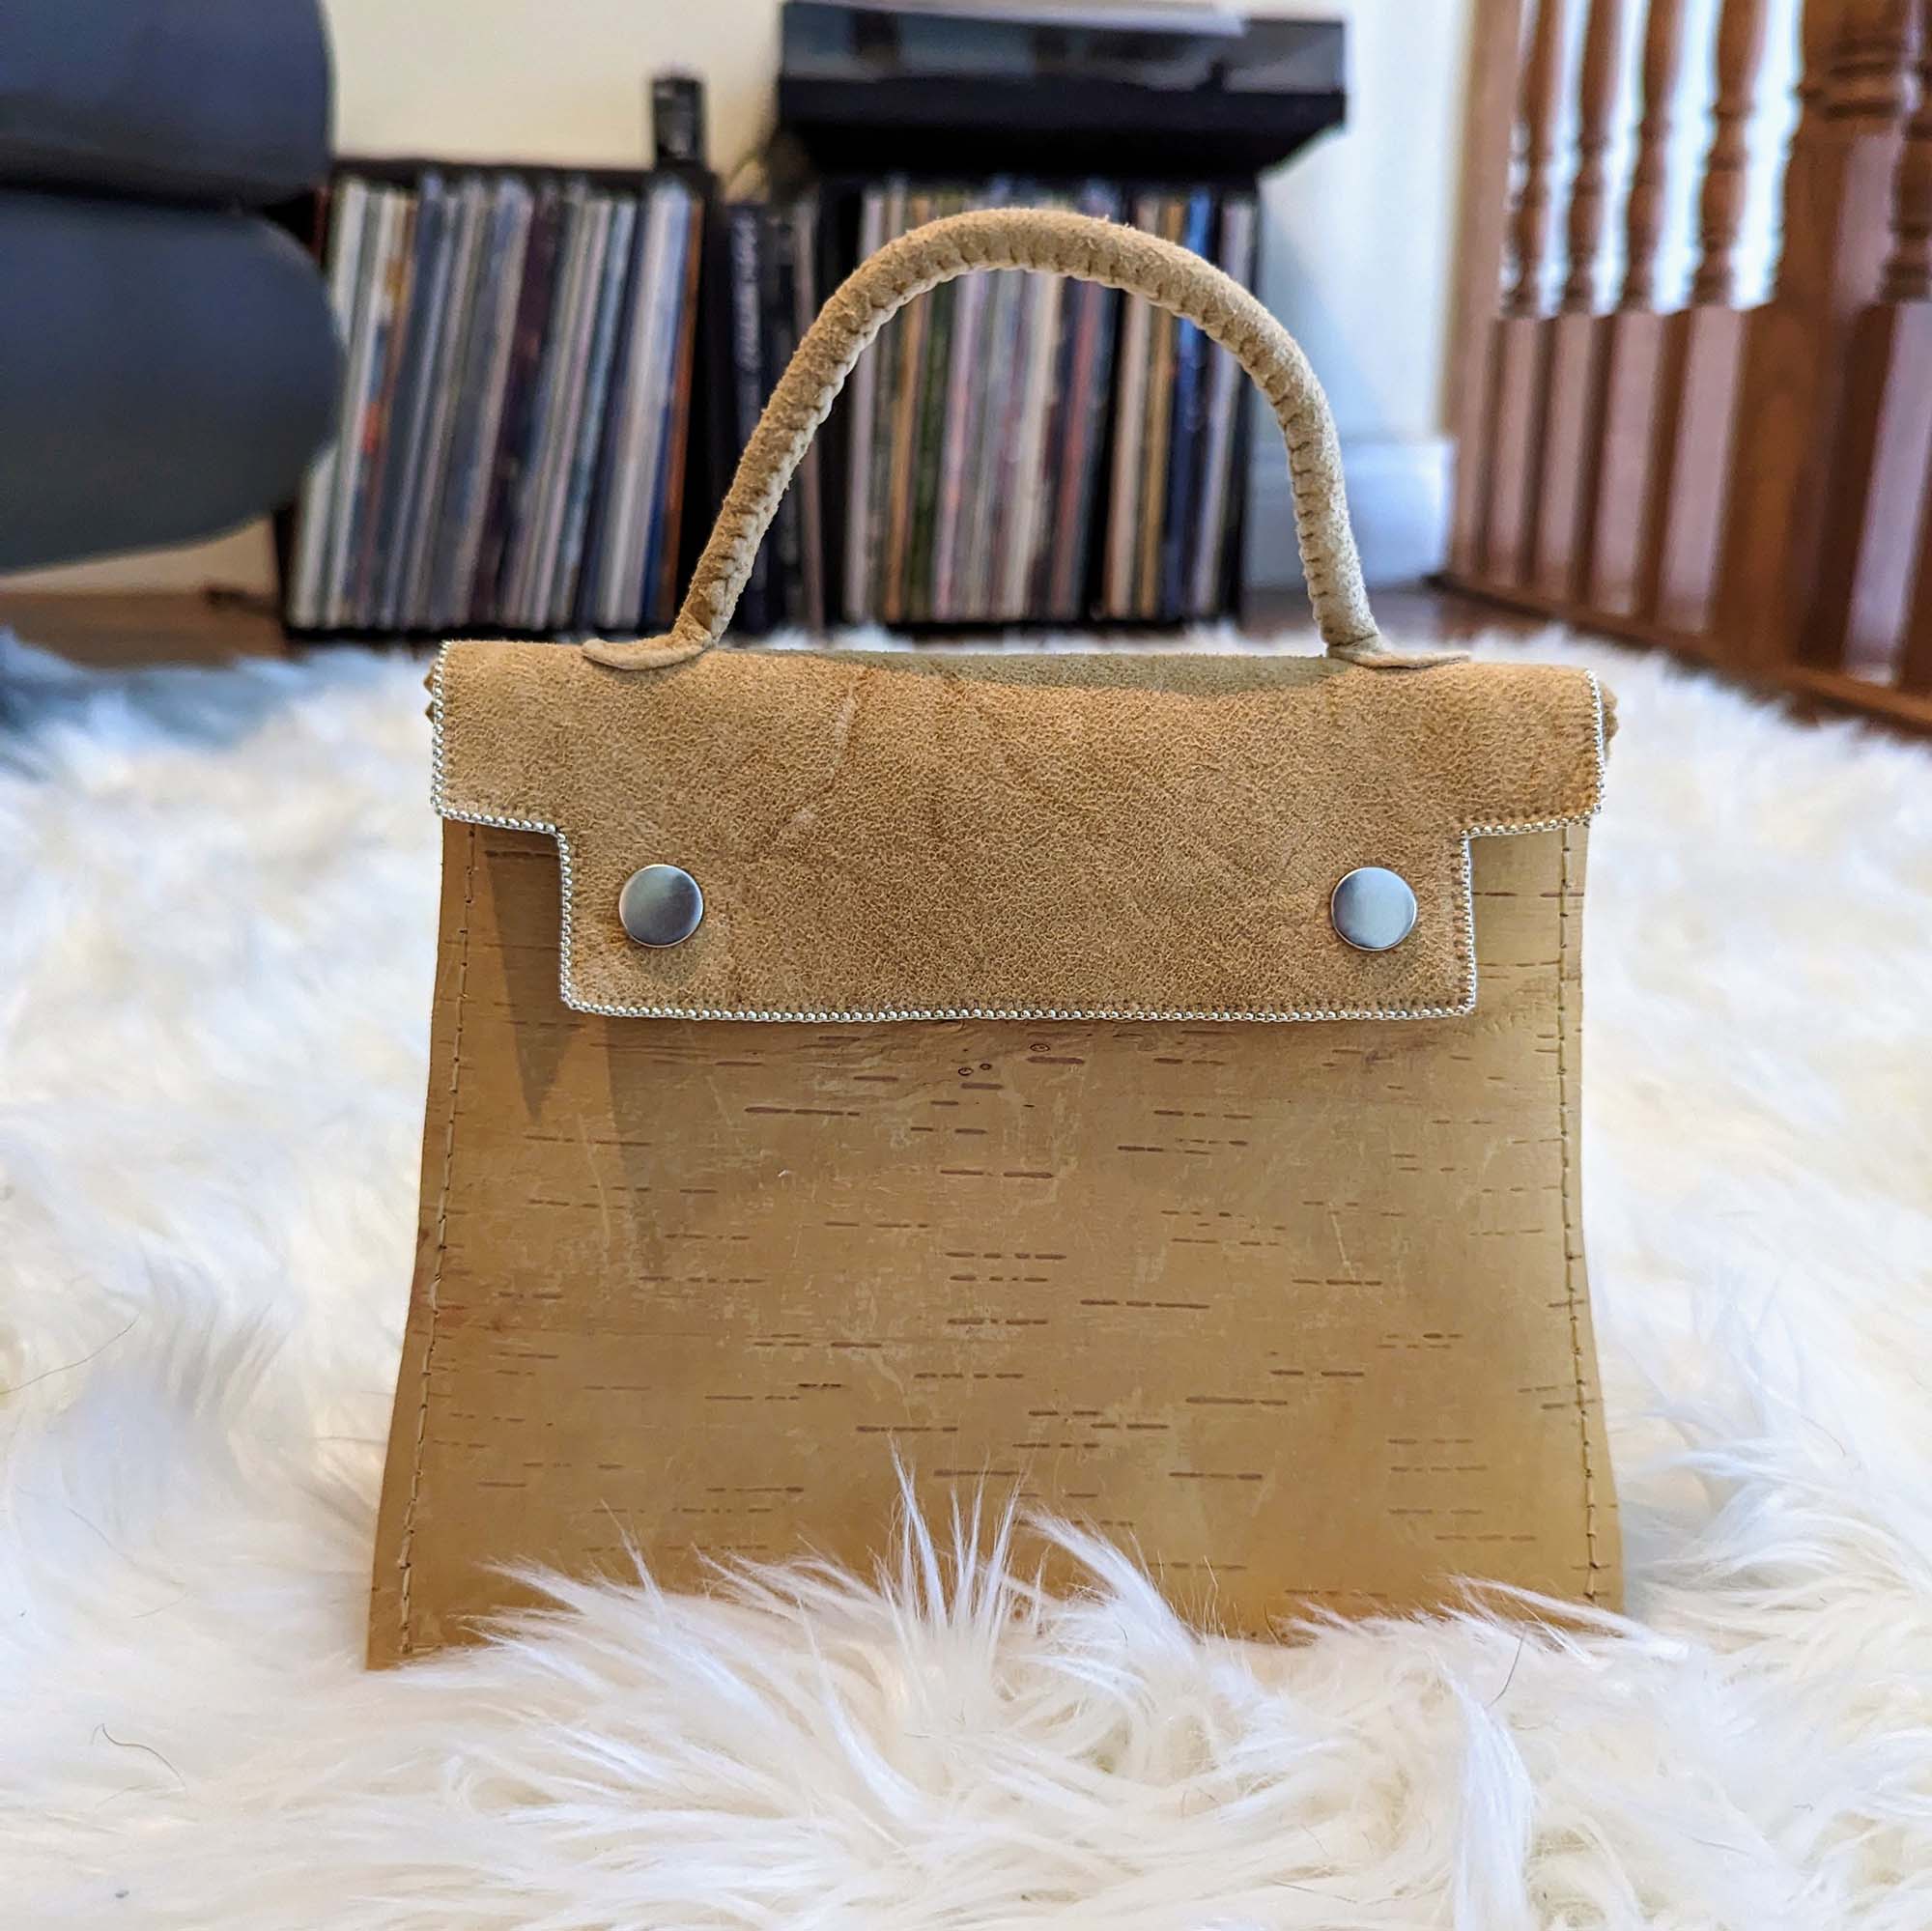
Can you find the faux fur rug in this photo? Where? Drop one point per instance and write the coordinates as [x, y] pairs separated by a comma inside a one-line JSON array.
[[216, 896]]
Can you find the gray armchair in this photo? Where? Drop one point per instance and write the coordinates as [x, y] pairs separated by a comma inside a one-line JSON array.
[[167, 358]]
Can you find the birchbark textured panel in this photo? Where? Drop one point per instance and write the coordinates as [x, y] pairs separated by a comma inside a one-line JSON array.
[[1298, 1310]]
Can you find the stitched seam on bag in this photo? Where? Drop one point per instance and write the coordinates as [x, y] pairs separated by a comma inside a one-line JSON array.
[[407, 1544], [1572, 1232], [885, 1015]]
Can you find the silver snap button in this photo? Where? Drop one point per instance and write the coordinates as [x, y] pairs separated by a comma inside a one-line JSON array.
[[661, 905], [1373, 908]]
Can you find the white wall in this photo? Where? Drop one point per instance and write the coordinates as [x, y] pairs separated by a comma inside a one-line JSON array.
[[1358, 231], [1358, 246], [1356, 239], [552, 81]]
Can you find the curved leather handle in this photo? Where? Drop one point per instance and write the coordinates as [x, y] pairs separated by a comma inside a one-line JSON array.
[[1060, 242]]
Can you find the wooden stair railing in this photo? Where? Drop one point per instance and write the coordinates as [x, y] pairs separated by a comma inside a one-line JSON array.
[[1750, 485]]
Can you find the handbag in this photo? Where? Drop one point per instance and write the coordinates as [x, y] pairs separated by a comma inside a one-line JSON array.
[[1137, 1087]]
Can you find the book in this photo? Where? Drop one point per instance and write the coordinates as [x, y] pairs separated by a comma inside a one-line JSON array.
[[986, 460], [516, 417], [908, 370], [745, 224], [402, 379], [372, 267], [350, 600], [603, 538], [659, 598], [935, 365], [639, 425], [886, 352], [554, 369], [1130, 403], [583, 352], [524, 348], [778, 334], [660, 477], [1184, 445], [1031, 451], [478, 419], [1008, 455], [348, 294], [1033, 589], [1089, 354], [1228, 395], [473, 207], [400, 502], [809, 483], [612, 294], [1072, 579], [965, 377], [1155, 437], [857, 602], [1013, 445], [589, 222]]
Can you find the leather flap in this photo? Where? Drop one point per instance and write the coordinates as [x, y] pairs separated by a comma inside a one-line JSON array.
[[887, 836]]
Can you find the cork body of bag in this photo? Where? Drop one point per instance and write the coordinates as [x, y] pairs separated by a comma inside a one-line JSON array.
[[1017, 1118]]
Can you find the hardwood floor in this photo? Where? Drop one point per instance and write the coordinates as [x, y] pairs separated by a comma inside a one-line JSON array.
[[1418, 614], [125, 628], [116, 629]]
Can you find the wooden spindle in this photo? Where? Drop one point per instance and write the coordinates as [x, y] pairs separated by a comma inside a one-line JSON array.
[[1529, 225], [1741, 38], [1791, 535], [1616, 523], [1908, 269], [1703, 353], [1520, 387], [1643, 209], [1703, 350], [1869, 76], [1819, 26], [1596, 112], [1865, 618], [1487, 134], [1572, 353]]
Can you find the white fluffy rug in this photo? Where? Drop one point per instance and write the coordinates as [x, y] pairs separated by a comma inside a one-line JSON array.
[[217, 898]]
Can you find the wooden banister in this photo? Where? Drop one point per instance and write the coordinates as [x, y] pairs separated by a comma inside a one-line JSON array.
[[1753, 486], [1908, 269], [1530, 223], [1873, 613], [1488, 115], [1741, 38], [1596, 116], [1868, 77], [1697, 373], [1571, 342], [1837, 203], [1650, 172]]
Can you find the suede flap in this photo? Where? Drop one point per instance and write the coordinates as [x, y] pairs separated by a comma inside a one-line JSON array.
[[886, 836]]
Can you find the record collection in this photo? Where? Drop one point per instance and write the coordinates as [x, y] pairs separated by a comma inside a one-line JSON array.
[[549, 375], [1013, 447], [510, 451]]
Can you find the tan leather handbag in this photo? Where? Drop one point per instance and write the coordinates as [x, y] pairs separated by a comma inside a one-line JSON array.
[[1145, 1086]]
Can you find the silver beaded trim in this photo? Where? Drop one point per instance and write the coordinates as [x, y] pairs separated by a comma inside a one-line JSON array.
[[572, 998]]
